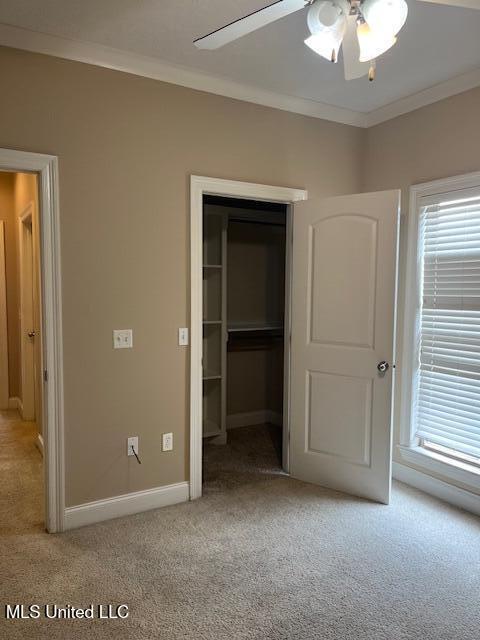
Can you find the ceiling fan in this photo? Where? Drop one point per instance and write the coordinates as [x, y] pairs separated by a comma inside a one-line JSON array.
[[365, 28]]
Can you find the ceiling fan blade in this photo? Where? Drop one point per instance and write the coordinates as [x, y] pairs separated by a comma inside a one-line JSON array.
[[466, 4], [252, 22], [351, 52]]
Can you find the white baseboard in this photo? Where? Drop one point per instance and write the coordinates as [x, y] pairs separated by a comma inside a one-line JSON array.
[[125, 505], [14, 403], [438, 488], [236, 420], [39, 443]]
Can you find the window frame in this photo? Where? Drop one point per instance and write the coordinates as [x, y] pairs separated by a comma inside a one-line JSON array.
[[408, 447]]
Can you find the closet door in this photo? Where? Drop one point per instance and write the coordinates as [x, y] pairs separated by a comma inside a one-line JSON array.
[[342, 354]]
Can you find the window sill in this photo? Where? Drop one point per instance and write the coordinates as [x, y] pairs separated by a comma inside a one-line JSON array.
[[441, 466]]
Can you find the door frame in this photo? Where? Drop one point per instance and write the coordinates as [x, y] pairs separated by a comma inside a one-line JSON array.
[[27, 282], [200, 186], [46, 168]]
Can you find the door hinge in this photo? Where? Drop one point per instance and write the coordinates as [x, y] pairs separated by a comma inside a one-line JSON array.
[[45, 375]]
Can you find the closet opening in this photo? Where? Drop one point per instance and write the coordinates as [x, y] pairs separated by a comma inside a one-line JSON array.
[[245, 340]]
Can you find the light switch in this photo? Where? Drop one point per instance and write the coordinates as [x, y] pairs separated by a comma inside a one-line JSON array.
[[122, 338], [183, 337]]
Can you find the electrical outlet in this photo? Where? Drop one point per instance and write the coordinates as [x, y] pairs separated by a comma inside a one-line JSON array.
[[132, 442], [167, 442], [122, 338]]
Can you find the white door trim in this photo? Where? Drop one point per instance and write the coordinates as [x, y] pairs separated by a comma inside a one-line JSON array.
[[412, 294], [4, 387], [46, 167], [200, 186]]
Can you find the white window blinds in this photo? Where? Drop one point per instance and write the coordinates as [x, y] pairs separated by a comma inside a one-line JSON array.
[[448, 382]]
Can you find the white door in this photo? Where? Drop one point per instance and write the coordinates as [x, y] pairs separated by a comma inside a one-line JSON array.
[[27, 327], [343, 325]]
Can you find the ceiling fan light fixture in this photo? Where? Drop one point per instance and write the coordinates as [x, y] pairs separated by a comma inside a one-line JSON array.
[[327, 21], [385, 16], [325, 15], [373, 43], [325, 45]]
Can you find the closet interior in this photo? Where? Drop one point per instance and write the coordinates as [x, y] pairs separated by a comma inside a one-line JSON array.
[[244, 255]]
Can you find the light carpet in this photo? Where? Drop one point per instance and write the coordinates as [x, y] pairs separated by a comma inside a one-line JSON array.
[[261, 556]]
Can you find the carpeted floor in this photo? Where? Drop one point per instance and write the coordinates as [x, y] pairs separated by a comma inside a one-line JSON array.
[[21, 480], [252, 454], [261, 556]]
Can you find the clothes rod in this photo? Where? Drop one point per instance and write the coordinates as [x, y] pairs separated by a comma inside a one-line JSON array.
[[263, 222]]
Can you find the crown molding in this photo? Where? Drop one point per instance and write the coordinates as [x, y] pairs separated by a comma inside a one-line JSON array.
[[438, 92], [156, 69]]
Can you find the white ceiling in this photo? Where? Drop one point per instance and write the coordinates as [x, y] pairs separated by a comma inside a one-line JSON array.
[[438, 44]]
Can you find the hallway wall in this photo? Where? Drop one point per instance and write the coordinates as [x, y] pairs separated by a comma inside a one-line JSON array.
[[7, 214]]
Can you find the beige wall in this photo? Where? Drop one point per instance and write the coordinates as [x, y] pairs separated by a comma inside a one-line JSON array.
[[438, 141], [126, 147], [7, 214], [247, 381], [255, 380], [255, 273], [255, 295], [25, 192]]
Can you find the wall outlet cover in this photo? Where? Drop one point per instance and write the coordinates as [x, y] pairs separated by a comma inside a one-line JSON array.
[[132, 442], [167, 442], [122, 338]]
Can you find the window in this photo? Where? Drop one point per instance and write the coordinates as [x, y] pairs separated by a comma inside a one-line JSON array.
[[446, 394]]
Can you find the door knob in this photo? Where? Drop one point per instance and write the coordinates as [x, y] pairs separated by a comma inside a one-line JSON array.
[[31, 334], [383, 366]]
